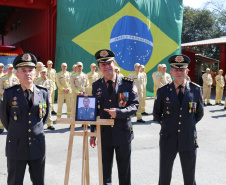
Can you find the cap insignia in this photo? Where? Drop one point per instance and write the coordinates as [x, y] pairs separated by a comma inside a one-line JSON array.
[[104, 53], [26, 57], [179, 59]]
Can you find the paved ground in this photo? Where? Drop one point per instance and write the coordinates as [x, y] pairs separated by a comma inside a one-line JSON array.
[[211, 155]]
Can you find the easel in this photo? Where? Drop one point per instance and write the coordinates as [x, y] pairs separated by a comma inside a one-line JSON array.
[[85, 154]]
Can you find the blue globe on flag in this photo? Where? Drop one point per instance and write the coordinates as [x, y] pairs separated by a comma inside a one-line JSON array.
[[132, 42]]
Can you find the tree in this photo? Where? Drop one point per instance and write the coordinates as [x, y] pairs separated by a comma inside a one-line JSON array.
[[202, 24]]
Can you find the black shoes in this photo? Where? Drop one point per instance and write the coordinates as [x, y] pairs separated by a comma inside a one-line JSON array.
[[224, 107], [209, 104], [140, 121], [204, 104], [1, 130], [51, 128], [53, 112], [144, 113], [216, 103]]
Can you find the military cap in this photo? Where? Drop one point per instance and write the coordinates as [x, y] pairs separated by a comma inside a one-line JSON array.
[[160, 65], [9, 66], [40, 64], [179, 61], [75, 65], [79, 64], [49, 62], [93, 64], [25, 59], [1, 64], [163, 65], [104, 55], [44, 69], [64, 64], [220, 70], [207, 69], [142, 66], [137, 64]]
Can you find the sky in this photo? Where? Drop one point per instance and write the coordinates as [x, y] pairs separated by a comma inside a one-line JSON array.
[[194, 3]]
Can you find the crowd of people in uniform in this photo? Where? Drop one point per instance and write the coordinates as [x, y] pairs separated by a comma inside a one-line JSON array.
[[76, 82], [34, 87]]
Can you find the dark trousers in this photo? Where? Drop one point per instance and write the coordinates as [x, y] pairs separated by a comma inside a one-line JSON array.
[[16, 171], [188, 161], [123, 154]]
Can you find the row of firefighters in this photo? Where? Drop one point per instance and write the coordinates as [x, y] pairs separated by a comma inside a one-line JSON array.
[[74, 83]]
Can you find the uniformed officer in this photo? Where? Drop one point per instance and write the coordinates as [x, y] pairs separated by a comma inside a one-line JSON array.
[[225, 97], [74, 69], [79, 85], [156, 76], [178, 107], [49, 85], [51, 75], [39, 66], [137, 77], [117, 70], [64, 90], [99, 73], [26, 111], [117, 99], [6, 81], [92, 77], [1, 74], [188, 77], [207, 82], [86, 112], [1, 69], [143, 75], [219, 87], [165, 77]]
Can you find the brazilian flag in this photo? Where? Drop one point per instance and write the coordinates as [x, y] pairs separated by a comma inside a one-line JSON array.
[[143, 31]]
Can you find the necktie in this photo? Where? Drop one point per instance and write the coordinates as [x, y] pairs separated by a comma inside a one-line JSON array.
[[180, 94], [29, 98], [110, 87]]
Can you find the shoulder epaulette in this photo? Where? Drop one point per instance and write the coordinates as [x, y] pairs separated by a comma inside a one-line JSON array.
[[11, 87], [195, 84], [60, 73], [40, 86], [5, 76], [164, 86], [127, 79]]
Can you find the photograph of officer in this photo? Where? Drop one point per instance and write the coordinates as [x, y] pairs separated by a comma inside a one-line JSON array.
[[116, 139], [86, 112], [24, 121], [178, 108]]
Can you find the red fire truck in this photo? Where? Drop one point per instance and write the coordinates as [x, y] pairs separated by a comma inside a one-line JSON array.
[[8, 54]]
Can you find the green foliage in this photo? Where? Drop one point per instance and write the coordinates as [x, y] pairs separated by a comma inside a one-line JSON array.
[[202, 24]]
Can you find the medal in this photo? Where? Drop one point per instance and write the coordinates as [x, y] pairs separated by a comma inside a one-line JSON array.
[[167, 99], [14, 103], [15, 98], [190, 106], [40, 110], [167, 112], [15, 117]]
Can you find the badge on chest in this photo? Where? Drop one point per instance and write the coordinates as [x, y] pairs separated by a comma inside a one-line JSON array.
[[123, 99]]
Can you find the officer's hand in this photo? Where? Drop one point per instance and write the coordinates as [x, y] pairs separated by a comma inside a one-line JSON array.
[[92, 142], [111, 111]]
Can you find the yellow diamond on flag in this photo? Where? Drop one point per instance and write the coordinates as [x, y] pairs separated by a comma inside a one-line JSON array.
[[98, 37]]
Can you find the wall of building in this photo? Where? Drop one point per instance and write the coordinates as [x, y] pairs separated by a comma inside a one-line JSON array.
[[28, 28]]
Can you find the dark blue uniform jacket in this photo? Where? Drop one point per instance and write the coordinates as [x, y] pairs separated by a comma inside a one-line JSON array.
[[178, 123], [25, 137], [122, 131]]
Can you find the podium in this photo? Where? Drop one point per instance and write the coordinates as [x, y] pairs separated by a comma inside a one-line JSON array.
[[85, 154]]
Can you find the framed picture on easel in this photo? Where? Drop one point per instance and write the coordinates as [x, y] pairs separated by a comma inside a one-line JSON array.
[[86, 108]]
